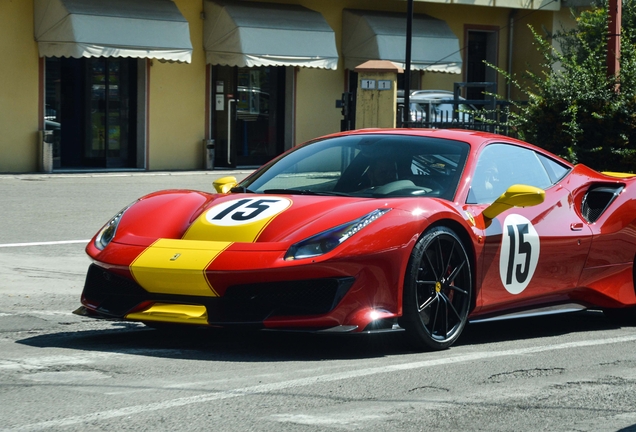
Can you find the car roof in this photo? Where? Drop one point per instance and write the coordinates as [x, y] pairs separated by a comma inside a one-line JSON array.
[[469, 136], [472, 137]]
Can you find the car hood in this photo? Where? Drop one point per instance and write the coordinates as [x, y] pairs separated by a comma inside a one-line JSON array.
[[260, 220], [252, 218]]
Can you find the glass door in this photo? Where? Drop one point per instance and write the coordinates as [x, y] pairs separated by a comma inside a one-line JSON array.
[[109, 140], [248, 114], [91, 109], [481, 47]]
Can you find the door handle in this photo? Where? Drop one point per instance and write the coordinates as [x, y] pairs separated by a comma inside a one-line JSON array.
[[576, 226]]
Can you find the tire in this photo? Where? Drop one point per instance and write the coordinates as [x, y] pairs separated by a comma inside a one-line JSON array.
[[625, 316], [437, 290]]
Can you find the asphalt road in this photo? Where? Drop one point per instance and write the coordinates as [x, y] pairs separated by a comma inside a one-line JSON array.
[[58, 371]]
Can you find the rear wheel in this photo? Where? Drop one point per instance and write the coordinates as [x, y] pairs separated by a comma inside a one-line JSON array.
[[624, 316], [437, 290]]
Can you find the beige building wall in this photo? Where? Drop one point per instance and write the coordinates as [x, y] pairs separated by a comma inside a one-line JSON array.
[[317, 89], [316, 112], [456, 15], [176, 92], [458, 18], [18, 88], [177, 103], [524, 42]]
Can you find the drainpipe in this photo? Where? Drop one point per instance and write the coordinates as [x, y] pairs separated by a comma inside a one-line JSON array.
[[511, 28], [613, 41], [407, 65]]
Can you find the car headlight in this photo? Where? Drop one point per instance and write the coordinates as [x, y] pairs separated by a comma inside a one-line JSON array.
[[107, 233], [328, 240]]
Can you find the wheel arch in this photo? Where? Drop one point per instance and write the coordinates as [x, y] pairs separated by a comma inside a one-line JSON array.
[[634, 275]]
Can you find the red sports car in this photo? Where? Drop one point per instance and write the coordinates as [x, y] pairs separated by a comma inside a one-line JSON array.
[[375, 230]]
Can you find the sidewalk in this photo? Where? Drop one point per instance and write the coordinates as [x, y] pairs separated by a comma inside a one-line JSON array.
[[239, 173]]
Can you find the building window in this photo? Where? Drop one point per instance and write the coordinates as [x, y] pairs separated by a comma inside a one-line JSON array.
[[481, 46]]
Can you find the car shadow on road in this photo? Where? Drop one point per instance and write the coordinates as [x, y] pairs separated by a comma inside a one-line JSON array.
[[535, 327], [253, 346], [222, 345]]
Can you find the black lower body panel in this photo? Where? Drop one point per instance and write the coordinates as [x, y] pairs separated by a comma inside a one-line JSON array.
[[109, 295]]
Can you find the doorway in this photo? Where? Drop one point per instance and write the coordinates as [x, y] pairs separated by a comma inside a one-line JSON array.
[[481, 47], [91, 107], [248, 115]]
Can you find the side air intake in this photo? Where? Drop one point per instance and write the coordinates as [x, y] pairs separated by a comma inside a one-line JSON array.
[[597, 199]]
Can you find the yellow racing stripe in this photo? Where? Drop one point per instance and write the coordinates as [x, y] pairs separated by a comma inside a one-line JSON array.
[[177, 266], [171, 266]]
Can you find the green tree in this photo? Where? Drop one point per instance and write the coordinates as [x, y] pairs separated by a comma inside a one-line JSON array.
[[573, 108]]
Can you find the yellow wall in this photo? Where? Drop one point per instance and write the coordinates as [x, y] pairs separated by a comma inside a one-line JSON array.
[[457, 17], [176, 94], [524, 43], [177, 103], [18, 88], [316, 94], [317, 90]]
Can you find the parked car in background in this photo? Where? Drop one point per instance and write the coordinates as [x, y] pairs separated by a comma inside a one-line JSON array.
[[435, 106]]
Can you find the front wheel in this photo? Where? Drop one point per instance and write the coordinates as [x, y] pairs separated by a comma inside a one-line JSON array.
[[437, 290]]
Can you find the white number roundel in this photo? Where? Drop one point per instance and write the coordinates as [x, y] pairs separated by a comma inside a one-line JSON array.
[[520, 247], [246, 210]]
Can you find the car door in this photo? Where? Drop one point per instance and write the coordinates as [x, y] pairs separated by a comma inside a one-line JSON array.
[[532, 256]]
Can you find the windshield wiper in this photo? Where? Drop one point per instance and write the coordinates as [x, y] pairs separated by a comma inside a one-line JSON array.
[[240, 189], [303, 192]]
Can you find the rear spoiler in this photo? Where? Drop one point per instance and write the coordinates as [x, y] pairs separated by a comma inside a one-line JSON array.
[[618, 174]]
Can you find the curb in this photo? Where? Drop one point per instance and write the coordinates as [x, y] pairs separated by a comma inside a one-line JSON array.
[[37, 176]]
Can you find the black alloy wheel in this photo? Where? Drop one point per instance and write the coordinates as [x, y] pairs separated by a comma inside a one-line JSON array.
[[437, 290]]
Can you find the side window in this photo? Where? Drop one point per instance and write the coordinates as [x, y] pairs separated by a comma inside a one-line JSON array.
[[500, 166], [555, 170]]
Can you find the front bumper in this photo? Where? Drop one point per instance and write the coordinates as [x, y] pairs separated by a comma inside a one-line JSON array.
[[299, 302]]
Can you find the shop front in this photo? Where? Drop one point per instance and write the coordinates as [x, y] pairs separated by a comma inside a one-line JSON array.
[[146, 84], [95, 77], [248, 115], [91, 112], [252, 49]]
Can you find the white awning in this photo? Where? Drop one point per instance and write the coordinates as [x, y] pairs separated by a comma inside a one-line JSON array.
[[370, 35], [267, 34], [112, 28]]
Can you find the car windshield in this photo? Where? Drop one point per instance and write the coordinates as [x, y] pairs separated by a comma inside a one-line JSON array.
[[372, 165]]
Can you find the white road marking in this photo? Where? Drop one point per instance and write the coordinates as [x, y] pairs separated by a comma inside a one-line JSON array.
[[36, 363], [302, 382], [49, 243], [39, 313], [66, 377], [341, 419], [47, 313]]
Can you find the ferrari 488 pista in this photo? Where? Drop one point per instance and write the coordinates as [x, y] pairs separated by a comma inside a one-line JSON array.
[[375, 230]]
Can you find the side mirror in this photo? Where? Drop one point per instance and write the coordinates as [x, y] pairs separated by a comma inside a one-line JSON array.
[[224, 184], [516, 196]]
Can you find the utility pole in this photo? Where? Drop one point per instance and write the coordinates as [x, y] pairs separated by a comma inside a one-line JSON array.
[[614, 40], [407, 66]]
